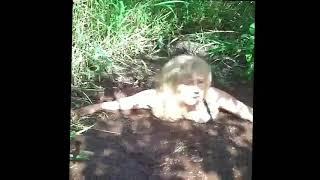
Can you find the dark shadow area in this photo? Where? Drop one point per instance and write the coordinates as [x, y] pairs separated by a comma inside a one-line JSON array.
[[148, 148]]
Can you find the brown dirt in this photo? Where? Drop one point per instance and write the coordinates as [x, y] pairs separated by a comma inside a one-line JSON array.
[[148, 148]]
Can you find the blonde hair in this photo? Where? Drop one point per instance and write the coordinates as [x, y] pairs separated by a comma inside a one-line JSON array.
[[173, 72]]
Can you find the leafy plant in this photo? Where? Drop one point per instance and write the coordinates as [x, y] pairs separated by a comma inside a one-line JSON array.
[[108, 35], [248, 42]]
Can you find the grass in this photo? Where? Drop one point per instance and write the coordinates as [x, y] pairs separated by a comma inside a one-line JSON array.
[[110, 35]]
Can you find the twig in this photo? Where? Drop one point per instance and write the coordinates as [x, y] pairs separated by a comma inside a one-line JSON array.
[[228, 58], [87, 97], [216, 60], [206, 45], [227, 65], [84, 129], [106, 131], [84, 89], [209, 32]]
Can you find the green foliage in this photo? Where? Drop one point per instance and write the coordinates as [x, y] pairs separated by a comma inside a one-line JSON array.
[[82, 156], [236, 48], [249, 50], [109, 35]]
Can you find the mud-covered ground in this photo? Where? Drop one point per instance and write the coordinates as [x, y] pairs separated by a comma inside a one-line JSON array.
[[136, 145]]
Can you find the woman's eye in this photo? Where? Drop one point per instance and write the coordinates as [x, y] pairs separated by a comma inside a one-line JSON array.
[[191, 82], [201, 82]]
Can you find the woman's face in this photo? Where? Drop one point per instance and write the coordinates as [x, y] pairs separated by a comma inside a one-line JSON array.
[[191, 89]]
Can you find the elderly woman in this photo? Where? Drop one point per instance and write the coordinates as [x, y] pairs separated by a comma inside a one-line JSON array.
[[183, 92]]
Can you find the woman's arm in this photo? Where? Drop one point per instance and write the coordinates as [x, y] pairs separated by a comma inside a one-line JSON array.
[[229, 103], [141, 100]]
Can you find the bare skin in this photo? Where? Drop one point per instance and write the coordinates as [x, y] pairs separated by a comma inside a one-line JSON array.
[[144, 100], [182, 94]]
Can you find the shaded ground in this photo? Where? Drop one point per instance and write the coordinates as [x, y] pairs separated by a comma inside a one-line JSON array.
[[143, 147]]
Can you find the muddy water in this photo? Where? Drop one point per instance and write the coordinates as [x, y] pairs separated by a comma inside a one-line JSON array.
[[139, 146]]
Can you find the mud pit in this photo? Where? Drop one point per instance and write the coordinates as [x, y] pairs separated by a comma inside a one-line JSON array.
[[143, 147]]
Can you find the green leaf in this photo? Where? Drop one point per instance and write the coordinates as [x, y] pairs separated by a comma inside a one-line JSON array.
[[252, 28], [72, 135], [251, 47], [82, 156], [244, 36], [251, 39], [248, 57]]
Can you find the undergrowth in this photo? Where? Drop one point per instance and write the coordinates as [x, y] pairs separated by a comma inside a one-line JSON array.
[[109, 35]]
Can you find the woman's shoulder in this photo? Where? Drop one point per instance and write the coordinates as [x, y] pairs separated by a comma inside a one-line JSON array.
[[213, 93], [148, 95], [148, 92]]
